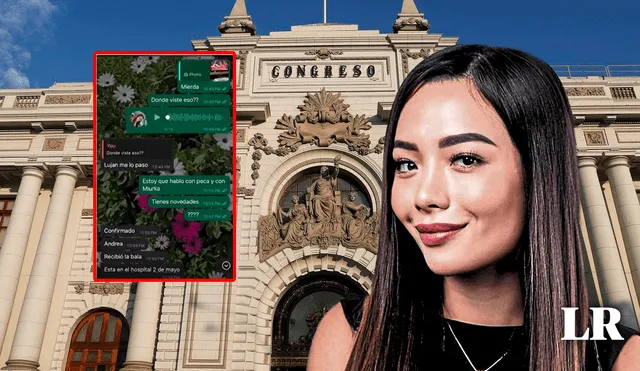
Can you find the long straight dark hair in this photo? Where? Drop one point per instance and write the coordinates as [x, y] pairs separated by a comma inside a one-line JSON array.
[[406, 300]]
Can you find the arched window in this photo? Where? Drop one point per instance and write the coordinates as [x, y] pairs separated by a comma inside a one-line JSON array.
[[99, 342]]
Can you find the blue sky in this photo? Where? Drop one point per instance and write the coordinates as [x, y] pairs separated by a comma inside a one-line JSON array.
[[42, 41]]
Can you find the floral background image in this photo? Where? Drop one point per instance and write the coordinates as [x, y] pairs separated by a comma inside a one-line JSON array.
[[125, 81]]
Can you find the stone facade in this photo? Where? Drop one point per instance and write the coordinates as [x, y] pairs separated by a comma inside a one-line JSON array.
[[45, 138]]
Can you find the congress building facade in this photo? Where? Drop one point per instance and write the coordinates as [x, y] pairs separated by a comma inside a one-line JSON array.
[[313, 103]]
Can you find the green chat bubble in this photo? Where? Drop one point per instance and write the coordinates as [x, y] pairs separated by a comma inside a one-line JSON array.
[[204, 86], [178, 120], [195, 202], [184, 185], [193, 69], [173, 100], [207, 215]]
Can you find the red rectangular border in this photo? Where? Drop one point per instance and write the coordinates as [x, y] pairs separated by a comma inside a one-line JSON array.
[[95, 167]]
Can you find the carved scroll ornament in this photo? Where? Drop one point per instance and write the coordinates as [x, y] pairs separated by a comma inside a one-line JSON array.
[[324, 119]]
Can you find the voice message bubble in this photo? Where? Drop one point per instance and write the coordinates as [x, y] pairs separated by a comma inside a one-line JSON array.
[[174, 120], [137, 154], [168, 100], [207, 215], [195, 202], [180, 185]]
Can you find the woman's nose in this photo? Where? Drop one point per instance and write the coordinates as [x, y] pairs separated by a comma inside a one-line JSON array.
[[432, 191]]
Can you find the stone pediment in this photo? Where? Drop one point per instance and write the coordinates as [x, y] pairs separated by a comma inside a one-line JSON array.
[[324, 119]]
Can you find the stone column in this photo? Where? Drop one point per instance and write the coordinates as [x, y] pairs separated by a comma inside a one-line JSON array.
[[15, 242], [27, 344], [628, 210], [144, 327], [611, 276]]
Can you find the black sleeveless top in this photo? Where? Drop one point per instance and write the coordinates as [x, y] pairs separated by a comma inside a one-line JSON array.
[[484, 345]]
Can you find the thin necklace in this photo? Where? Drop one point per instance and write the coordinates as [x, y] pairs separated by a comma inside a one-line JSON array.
[[469, 360]]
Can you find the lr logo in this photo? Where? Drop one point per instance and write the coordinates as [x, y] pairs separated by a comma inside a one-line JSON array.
[[598, 324]]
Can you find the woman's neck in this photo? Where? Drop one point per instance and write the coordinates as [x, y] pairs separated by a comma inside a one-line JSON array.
[[484, 298]]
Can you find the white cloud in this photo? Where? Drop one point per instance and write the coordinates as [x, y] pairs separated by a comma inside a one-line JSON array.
[[21, 24], [14, 79]]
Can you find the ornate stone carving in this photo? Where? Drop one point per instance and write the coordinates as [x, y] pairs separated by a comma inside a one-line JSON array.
[[106, 288], [323, 53], [324, 119], [237, 26], [27, 101], [595, 137], [323, 219], [246, 191], [585, 91], [67, 99], [242, 60], [87, 212], [1, 100], [53, 144], [79, 288], [411, 24], [623, 93], [240, 135], [406, 54]]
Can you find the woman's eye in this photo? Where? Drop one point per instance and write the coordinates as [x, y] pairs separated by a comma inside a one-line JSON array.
[[466, 161], [403, 166]]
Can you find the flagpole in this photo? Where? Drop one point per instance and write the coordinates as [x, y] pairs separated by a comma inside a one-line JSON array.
[[325, 11]]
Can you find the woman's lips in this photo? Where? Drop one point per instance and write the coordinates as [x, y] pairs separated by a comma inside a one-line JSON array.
[[437, 234]]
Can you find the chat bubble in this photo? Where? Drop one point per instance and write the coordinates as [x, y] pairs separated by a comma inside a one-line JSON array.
[[194, 202], [123, 243], [135, 271], [137, 154], [178, 120], [168, 100], [184, 185], [202, 70], [207, 215], [158, 257], [127, 231], [204, 87]]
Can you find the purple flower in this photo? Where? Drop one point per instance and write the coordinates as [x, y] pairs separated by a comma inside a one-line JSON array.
[[192, 246], [185, 230], [143, 203]]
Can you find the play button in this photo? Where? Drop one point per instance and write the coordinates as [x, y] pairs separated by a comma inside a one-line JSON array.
[[156, 117]]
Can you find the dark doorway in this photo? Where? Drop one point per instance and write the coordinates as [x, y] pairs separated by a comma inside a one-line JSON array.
[[299, 312]]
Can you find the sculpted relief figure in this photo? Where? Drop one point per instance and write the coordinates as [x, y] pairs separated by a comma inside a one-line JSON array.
[[323, 206], [354, 218], [293, 232], [319, 218]]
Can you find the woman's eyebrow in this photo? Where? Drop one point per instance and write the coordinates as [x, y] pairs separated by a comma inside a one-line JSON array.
[[452, 140], [405, 145]]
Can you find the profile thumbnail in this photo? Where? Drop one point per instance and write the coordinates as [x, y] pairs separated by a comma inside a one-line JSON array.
[[138, 119]]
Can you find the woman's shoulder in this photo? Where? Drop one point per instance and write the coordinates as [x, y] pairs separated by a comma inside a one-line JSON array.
[[334, 337], [621, 354]]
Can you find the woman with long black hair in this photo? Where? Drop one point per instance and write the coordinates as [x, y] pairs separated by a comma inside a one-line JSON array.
[[479, 236]]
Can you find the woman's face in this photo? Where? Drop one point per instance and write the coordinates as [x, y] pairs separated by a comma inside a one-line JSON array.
[[456, 164]]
